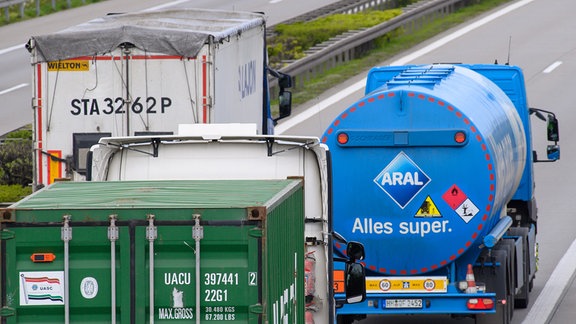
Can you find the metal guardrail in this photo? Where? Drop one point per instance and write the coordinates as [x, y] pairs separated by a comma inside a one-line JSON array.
[[6, 4], [355, 43]]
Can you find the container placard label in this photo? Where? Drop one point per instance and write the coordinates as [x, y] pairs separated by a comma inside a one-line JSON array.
[[461, 204], [454, 196], [467, 210], [41, 288], [428, 209]]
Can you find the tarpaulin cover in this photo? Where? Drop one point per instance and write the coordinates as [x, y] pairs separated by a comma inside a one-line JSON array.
[[180, 32]]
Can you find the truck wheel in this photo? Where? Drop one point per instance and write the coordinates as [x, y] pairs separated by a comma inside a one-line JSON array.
[[495, 279], [522, 298]]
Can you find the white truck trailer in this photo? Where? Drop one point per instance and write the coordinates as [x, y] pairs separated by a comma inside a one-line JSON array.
[[144, 73]]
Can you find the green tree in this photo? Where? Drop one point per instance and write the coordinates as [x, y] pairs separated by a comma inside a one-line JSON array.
[[16, 158]]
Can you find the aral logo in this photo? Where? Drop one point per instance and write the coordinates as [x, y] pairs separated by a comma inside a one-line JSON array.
[[402, 179]]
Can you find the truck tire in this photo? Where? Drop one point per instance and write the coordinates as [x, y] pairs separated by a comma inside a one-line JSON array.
[[495, 279], [522, 298]]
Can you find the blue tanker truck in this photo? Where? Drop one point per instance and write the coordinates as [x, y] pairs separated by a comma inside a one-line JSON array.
[[433, 172]]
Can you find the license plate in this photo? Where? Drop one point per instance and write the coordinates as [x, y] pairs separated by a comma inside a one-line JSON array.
[[403, 303]]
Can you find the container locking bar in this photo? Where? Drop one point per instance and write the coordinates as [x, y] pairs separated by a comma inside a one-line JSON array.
[[151, 235], [66, 236], [113, 237], [197, 235]]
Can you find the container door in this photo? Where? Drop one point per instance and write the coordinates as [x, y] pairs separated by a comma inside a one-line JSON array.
[[36, 288], [229, 277]]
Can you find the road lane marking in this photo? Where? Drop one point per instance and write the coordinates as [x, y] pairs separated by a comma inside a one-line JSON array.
[[11, 49], [317, 108], [556, 287], [552, 67], [14, 88], [166, 5]]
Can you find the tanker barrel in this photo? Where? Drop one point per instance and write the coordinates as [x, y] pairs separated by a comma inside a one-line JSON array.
[[434, 154], [497, 232]]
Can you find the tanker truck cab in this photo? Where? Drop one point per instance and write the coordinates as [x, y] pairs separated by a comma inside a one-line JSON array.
[[440, 158]]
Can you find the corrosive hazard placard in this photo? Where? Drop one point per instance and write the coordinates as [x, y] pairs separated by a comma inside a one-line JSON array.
[[428, 209]]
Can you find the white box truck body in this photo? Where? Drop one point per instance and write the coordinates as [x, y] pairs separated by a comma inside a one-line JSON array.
[[143, 73]]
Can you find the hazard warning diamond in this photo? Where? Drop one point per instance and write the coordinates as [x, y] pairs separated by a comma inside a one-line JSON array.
[[454, 196], [467, 210], [402, 179]]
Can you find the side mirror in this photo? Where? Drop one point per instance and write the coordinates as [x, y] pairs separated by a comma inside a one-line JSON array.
[[355, 251], [284, 80], [553, 152], [553, 131], [552, 135], [284, 97], [355, 282], [285, 104]]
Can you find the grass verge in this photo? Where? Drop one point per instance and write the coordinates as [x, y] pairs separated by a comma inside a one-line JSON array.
[[386, 48]]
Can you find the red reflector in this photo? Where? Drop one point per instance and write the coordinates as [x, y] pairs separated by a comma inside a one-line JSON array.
[[342, 138], [42, 257], [460, 137], [480, 303]]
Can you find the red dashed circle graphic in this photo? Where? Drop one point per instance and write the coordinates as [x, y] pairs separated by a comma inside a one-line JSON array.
[[489, 166]]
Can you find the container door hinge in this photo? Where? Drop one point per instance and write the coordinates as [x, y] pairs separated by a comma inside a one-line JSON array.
[[7, 312], [256, 309], [255, 232], [313, 241], [6, 235]]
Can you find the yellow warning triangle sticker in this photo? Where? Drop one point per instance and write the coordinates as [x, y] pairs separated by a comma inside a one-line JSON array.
[[428, 209]]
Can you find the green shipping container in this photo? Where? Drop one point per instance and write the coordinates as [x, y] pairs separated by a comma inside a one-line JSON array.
[[155, 252]]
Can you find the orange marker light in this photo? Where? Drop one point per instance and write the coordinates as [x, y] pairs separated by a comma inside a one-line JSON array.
[[342, 138], [42, 257], [460, 137]]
